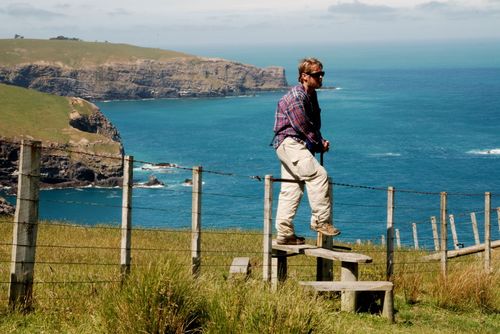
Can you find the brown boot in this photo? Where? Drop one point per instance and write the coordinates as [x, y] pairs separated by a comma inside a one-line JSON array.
[[291, 240]]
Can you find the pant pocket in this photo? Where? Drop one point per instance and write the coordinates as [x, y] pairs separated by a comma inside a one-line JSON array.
[[306, 167]]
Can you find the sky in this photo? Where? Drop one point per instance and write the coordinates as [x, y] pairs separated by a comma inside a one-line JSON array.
[[177, 23]]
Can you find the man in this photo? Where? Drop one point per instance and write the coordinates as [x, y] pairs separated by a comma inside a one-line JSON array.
[[297, 139]]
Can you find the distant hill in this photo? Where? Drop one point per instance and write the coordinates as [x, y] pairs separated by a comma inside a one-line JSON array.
[[76, 54], [106, 71], [72, 132]]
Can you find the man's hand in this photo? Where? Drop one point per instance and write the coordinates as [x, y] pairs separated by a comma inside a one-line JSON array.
[[326, 145]]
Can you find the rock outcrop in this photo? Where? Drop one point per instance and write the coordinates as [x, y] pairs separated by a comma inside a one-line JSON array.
[[179, 77], [75, 164], [6, 209]]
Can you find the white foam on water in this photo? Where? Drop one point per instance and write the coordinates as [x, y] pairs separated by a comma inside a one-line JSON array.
[[494, 151]]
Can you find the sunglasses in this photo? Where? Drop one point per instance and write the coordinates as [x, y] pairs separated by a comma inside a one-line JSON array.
[[316, 74]]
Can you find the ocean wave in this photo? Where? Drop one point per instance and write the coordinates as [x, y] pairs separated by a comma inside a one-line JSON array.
[[387, 154], [494, 151], [162, 167], [144, 185]]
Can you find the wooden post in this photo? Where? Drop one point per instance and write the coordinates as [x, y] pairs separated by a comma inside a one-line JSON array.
[[268, 229], [498, 218], [415, 235], [348, 272], [324, 267], [126, 242], [390, 233], [398, 238], [25, 226], [453, 232], [444, 234], [435, 235], [196, 221], [487, 232], [474, 228]]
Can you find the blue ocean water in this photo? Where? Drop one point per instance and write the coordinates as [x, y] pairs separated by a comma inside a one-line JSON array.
[[400, 116]]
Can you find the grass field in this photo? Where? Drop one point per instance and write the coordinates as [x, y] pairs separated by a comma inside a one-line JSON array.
[[77, 288], [45, 117], [76, 53]]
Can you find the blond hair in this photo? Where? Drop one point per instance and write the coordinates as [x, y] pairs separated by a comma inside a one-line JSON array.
[[306, 64]]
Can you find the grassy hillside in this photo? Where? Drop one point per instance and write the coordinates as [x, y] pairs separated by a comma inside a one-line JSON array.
[[28, 113], [76, 53]]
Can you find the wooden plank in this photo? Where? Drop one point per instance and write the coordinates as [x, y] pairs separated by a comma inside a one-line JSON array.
[[349, 286], [462, 251], [298, 249], [240, 265], [475, 229], [338, 256]]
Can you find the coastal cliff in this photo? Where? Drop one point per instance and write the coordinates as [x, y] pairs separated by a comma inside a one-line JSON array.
[[105, 71], [80, 147], [181, 77]]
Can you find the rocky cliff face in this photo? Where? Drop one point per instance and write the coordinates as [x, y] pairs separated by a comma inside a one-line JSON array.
[[179, 77], [74, 164]]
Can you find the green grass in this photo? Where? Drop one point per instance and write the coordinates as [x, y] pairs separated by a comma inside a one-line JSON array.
[[76, 54], [77, 288], [26, 113]]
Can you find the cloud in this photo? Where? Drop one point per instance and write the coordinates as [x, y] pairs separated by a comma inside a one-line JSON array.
[[26, 10], [357, 8], [455, 10], [119, 12]]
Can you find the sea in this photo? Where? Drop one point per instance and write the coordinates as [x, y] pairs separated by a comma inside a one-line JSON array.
[[422, 117]]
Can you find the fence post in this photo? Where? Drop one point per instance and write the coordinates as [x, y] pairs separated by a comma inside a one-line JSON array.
[[25, 225], [126, 242], [196, 221], [268, 228], [390, 233], [435, 235], [474, 228], [398, 238], [444, 234], [324, 267], [487, 232], [498, 218], [415, 235], [454, 232]]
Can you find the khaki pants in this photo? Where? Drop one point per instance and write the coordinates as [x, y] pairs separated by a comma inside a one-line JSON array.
[[298, 163]]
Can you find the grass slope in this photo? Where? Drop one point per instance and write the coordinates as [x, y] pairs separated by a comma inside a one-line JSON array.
[[77, 288], [26, 113], [76, 53]]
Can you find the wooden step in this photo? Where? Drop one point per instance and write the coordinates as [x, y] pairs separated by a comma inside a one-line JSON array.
[[311, 250]]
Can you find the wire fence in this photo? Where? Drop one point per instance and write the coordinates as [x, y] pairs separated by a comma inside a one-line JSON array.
[[85, 255]]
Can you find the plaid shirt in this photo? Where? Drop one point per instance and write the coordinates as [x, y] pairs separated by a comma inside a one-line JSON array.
[[298, 116]]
